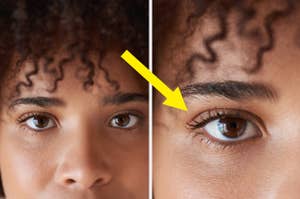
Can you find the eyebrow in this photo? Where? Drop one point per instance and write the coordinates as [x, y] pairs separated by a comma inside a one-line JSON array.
[[233, 90], [122, 98], [37, 101]]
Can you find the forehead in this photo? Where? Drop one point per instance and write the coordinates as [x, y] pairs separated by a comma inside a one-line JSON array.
[[81, 73], [217, 46]]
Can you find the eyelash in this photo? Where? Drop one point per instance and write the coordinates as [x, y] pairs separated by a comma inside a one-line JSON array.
[[204, 118], [212, 115], [26, 116]]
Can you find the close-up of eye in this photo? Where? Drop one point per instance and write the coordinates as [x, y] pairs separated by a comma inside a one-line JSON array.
[[124, 120], [39, 122], [227, 125]]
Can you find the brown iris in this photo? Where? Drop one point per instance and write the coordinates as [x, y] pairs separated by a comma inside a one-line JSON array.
[[232, 127], [41, 121], [122, 120]]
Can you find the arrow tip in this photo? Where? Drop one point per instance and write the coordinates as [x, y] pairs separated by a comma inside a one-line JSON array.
[[175, 100]]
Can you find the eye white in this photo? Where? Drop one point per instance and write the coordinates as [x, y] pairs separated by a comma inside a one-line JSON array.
[[132, 121], [213, 130], [31, 122]]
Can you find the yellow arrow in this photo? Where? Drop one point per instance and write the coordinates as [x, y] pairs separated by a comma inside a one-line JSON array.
[[173, 98]]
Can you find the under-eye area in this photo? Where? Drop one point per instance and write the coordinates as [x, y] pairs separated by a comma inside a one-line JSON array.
[[226, 126]]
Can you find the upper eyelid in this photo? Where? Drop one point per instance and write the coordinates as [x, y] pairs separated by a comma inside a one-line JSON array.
[[226, 111], [29, 115], [241, 113], [139, 114]]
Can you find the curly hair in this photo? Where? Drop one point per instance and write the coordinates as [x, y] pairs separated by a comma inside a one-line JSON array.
[[35, 30], [221, 10]]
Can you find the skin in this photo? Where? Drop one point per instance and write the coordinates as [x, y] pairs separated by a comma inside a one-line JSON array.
[[191, 164], [83, 156]]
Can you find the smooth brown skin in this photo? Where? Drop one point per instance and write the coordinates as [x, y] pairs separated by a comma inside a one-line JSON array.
[[267, 166], [83, 156]]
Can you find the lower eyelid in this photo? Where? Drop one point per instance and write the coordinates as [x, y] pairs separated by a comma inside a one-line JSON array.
[[26, 129], [28, 115], [217, 145]]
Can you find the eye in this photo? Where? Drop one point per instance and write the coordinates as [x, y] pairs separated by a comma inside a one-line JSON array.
[[228, 125], [124, 120], [40, 122], [231, 129]]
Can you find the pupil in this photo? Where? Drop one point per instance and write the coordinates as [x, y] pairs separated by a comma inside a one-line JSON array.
[[123, 120], [232, 127], [40, 121]]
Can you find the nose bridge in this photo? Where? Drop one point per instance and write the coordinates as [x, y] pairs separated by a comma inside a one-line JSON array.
[[83, 162]]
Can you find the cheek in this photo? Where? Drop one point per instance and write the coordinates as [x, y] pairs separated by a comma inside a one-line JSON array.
[[20, 165], [172, 170], [132, 164]]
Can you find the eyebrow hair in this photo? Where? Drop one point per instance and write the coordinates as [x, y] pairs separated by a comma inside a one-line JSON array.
[[37, 101], [233, 90], [122, 98]]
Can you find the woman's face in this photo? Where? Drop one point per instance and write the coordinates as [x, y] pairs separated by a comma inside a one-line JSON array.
[[240, 137], [76, 143]]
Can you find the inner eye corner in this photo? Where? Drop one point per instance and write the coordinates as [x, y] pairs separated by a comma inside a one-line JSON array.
[[191, 125]]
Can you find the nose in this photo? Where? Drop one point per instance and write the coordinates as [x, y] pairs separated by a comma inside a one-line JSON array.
[[83, 166]]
